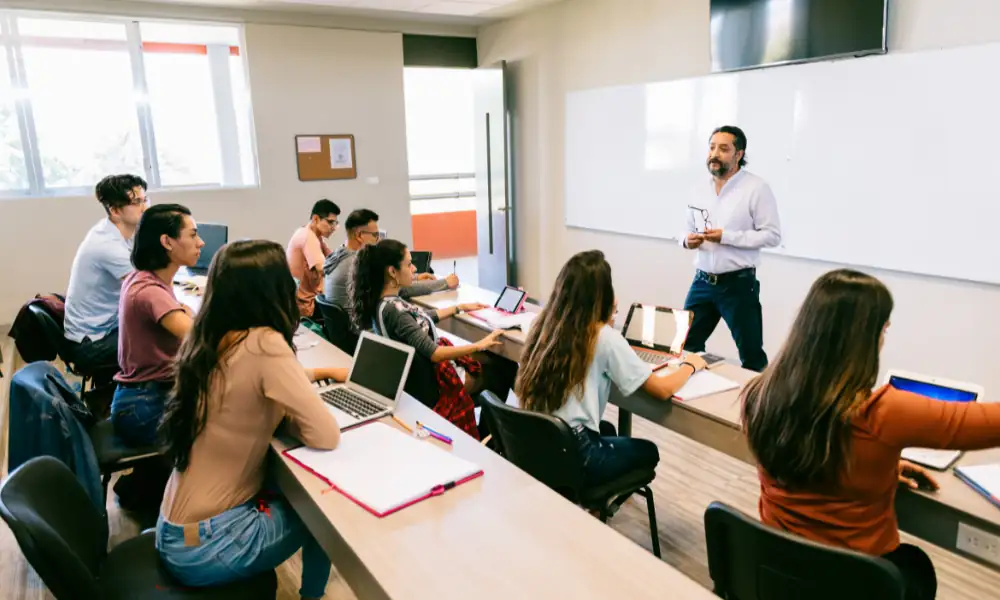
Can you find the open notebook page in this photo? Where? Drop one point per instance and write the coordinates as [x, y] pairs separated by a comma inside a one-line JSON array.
[[384, 469], [703, 383]]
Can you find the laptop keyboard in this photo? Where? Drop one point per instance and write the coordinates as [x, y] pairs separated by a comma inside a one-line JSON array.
[[653, 359], [352, 403]]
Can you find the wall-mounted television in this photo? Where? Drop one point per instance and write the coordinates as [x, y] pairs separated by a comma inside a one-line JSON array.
[[758, 33]]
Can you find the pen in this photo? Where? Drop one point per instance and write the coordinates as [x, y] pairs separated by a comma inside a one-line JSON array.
[[402, 424], [435, 434], [454, 266]]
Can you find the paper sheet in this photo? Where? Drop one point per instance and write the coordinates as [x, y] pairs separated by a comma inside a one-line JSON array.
[[309, 145], [704, 383], [340, 154], [383, 468]]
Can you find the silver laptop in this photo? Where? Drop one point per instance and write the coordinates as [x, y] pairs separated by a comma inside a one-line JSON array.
[[939, 389], [375, 383], [656, 333]]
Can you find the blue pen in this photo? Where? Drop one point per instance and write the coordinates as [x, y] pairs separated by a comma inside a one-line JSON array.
[[440, 436]]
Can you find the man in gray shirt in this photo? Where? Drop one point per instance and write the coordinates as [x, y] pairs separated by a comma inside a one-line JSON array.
[[362, 230]]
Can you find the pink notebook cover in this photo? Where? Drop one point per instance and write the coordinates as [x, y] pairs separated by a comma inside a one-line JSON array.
[[435, 491]]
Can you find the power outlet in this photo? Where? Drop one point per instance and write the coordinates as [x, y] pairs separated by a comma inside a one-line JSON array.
[[978, 543]]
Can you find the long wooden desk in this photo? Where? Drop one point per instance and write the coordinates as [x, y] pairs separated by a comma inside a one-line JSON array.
[[503, 535], [714, 422]]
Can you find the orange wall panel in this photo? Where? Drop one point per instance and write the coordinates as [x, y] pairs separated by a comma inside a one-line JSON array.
[[447, 234]]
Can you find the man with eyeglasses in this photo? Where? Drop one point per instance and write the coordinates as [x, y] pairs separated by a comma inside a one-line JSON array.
[[102, 261], [362, 230], [727, 225], [306, 252]]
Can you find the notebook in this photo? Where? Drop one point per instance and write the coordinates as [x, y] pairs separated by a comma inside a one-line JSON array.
[[704, 383], [985, 479], [383, 469]]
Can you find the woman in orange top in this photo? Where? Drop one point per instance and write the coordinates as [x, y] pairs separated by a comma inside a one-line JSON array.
[[828, 448]]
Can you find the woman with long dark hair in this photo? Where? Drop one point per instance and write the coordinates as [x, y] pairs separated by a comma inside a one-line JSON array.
[[829, 447], [380, 271], [572, 356], [237, 379], [151, 322]]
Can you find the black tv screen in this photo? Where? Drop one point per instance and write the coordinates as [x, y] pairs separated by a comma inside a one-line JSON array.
[[758, 33]]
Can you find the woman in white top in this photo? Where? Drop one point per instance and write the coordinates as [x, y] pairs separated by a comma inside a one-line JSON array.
[[573, 355]]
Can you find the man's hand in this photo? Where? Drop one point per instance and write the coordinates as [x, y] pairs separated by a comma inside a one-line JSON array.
[[694, 240], [452, 281], [713, 235], [426, 277]]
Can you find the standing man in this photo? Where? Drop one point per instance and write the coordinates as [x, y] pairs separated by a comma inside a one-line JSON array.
[[727, 225], [306, 252], [95, 281]]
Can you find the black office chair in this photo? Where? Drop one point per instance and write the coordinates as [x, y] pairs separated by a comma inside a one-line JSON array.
[[748, 560], [113, 455], [337, 325], [64, 538], [545, 447], [99, 382]]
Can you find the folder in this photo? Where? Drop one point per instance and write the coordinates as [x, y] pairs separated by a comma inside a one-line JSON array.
[[985, 479], [384, 470]]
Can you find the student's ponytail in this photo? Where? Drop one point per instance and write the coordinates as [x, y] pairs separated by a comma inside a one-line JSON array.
[[367, 280]]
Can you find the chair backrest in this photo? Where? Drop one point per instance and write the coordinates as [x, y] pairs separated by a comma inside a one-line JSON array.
[[337, 325], [541, 445], [53, 334], [57, 527], [748, 560]]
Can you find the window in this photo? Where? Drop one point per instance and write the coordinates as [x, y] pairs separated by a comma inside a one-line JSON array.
[[84, 97]]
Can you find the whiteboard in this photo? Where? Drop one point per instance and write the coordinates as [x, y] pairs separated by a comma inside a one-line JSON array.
[[884, 161]]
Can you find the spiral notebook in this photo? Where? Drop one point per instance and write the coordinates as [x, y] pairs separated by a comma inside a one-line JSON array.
[[383, 469]]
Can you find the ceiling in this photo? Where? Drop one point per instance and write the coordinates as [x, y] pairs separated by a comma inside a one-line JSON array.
[[474, 12]]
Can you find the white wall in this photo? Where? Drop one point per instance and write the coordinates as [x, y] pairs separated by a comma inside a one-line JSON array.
[[940, 326], [304, 80]]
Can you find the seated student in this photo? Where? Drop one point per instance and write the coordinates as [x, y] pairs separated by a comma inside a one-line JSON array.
[[95, 281], [380, 272], [362, 230], [152, 322], [306, 252], [829, 447], [237, 379], [571, 357]]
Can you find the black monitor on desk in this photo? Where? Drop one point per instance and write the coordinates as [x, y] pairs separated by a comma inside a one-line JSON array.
[[215, 236]]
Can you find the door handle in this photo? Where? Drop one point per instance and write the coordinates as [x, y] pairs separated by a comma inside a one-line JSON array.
[[489, 183]]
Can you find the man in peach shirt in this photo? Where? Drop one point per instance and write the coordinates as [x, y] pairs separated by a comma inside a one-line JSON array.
[[308, 249]]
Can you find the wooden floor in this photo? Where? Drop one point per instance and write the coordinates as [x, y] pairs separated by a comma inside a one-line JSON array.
[[690, 476]]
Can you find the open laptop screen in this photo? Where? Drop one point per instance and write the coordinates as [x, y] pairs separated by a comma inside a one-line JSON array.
[[657, 328], [379, 367], [931, 390]]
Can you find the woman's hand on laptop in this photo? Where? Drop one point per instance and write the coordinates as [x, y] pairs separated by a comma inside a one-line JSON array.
[[695, 361], [338, 374], [490, 341]]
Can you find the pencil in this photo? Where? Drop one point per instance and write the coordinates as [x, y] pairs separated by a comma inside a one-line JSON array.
[[401, 423]]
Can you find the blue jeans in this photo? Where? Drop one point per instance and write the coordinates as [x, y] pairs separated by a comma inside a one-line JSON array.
[[734, 297], [136, 412], [240, 543], [607, 457]]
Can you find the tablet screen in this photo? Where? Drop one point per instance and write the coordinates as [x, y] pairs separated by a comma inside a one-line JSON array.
[[510, 299], [931, 390]]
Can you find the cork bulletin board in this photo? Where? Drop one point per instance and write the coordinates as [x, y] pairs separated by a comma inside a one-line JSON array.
[[325, 157]]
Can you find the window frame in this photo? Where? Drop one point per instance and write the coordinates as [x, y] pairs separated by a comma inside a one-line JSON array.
[[225, 106]]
